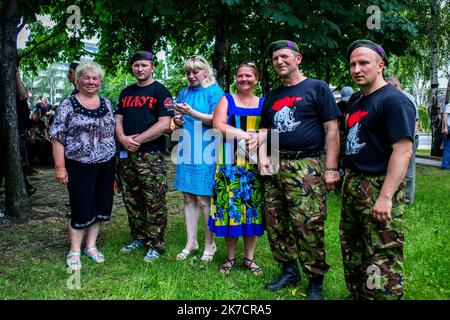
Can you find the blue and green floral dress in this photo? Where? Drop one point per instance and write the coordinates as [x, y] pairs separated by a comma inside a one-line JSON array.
[[237, 206]]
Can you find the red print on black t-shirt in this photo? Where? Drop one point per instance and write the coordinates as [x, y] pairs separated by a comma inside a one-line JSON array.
[[286, 102], [356, 117], [138, 101]]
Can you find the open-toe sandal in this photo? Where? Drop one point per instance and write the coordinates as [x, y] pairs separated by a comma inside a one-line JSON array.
[[208, 255], [73, 264], [226, 267], [185, 253], [251, 265], [99, 257]]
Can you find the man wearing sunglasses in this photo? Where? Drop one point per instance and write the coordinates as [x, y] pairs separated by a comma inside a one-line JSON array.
[[303, 113]]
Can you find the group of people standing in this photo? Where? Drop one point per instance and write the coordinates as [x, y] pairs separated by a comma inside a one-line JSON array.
[[275, 159]]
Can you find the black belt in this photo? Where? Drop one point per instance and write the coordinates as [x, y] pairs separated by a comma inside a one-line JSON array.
[[294, 155]]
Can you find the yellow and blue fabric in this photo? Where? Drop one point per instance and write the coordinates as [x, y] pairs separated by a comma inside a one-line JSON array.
[[237, 206]]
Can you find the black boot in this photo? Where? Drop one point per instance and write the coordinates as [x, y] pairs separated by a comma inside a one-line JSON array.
[[289, 277], [315, 289]]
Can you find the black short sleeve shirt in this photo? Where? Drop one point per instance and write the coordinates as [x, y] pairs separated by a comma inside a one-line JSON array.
[[376, 122], [141, 107], [298, 113]]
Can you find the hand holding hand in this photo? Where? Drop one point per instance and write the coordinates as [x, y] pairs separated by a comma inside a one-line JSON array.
[[267, 167], [252, 142]]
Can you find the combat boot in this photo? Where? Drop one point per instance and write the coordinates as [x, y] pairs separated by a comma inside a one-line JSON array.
[[315, 289], [289, 277]]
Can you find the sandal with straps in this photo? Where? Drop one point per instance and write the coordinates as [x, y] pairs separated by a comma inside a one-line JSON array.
[[185, 253], [247, 263], [99, 257], [74, 264], [226, 267], [208, 255]]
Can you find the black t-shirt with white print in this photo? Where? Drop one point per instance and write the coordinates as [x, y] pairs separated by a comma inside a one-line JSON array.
[[298, 113], [141, 107], [375, 122]]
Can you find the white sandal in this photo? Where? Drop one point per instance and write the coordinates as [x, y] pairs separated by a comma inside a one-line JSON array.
[[185, 253], [208, 255]]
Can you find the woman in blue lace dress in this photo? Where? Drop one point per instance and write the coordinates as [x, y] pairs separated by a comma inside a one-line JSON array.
[[237, 201], [195, 170]]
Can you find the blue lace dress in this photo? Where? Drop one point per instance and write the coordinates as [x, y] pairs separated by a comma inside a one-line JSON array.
[[195, 172]]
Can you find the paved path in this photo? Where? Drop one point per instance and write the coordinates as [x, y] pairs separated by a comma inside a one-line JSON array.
[[431, 161], [425, 141]]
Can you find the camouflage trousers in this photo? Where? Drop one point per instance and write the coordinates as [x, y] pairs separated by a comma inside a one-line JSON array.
[[143, 183], [372, 251], [295, 214]]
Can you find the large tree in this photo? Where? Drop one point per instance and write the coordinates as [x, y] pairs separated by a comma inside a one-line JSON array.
[[17, 203]]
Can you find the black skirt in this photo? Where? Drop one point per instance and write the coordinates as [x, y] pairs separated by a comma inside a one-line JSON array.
[[91, 192]]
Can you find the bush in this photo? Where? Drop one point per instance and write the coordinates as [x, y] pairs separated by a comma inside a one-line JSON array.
[[424, 118]]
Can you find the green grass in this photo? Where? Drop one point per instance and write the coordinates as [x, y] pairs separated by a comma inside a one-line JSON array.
[[423, 152], [33, 254]]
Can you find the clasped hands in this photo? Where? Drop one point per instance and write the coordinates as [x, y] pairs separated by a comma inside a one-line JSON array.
[[251, 141], [130, 143]]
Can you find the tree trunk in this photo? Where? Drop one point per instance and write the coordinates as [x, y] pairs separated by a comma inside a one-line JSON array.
[[264, 69], [220, 43], [228, 68], [447, 95], [435, 115], [17, 203], [328, 73]]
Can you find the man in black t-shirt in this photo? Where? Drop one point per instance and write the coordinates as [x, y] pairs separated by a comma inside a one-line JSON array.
[[142, 116], [380, 125], [303, 113]]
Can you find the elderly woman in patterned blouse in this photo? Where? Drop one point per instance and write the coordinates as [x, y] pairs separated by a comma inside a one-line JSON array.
[[83, 149]]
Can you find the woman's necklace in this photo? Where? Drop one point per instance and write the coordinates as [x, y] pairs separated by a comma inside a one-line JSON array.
[[89, 104], [249, 103]]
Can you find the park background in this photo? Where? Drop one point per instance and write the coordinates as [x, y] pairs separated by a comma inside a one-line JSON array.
[[33, 236]]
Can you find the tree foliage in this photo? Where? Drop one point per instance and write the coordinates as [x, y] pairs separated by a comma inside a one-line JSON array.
[[228, 32]]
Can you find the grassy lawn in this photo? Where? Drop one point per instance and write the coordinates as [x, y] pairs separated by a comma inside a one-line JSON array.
[[423, 152], [33, 255]]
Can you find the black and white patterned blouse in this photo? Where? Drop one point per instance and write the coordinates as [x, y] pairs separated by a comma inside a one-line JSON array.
[[87, 134]]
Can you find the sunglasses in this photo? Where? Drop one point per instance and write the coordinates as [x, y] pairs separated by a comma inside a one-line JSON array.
[[248, 63], [199, 58]]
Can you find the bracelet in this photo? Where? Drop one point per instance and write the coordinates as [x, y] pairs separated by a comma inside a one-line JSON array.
[[331, 169]]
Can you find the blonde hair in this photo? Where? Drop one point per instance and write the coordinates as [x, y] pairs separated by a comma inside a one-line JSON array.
[[197, 63], [89, 66]]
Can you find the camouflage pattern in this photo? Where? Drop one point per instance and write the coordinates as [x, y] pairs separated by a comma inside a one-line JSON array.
[[372, 251], [143, 183], [296, 213]]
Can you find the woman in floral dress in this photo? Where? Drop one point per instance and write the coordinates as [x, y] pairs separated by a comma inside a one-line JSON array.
[[237, 208]]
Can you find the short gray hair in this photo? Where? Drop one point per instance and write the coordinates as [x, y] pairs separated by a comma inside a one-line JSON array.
[[89, 66]]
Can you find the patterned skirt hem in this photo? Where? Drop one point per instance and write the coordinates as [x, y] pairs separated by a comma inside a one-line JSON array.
[[248, 230]]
